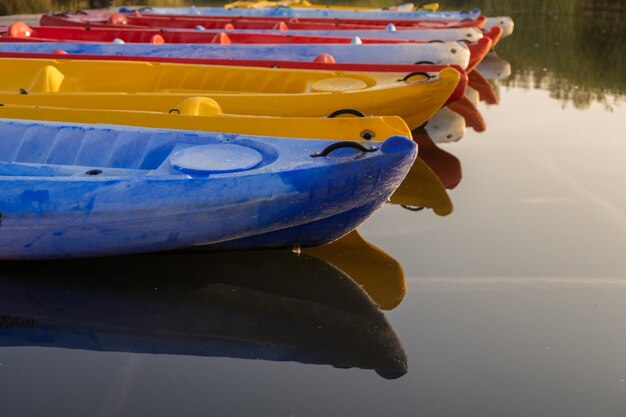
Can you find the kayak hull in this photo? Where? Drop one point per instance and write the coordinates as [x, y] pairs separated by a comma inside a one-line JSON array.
[[312, 13], [138, 20], [253, 91], [370, 128], [78, 191], [434, 53], [470, 34]]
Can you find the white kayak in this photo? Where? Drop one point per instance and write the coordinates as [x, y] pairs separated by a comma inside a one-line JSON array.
[[445, 53], [492, 67], [504, 21], [306, 12], [426, 35]]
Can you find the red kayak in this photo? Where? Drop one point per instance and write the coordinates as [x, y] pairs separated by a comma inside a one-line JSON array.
[[485, 90], [20, 32], [165, 22], [445, 165], [244, 22], [321, 63]]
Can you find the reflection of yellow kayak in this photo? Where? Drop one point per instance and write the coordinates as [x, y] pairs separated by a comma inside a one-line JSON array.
[[247, 4], [422, 188], [124, 85], [380, 275], [200, 113]]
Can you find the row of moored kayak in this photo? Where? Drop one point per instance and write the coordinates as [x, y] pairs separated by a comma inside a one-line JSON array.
[[254, 125]]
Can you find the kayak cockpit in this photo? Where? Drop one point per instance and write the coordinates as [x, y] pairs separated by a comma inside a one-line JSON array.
[[53, 150], [21, 169]]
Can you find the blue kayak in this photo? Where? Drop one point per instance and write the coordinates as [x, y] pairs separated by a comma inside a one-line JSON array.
[[72, 190], [306, 12], [401, 53]]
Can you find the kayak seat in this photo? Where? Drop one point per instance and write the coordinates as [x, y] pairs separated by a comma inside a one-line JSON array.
[[47, 80], [197, 80]]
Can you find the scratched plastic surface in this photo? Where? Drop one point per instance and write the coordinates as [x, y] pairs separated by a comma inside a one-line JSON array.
[[71, 190]]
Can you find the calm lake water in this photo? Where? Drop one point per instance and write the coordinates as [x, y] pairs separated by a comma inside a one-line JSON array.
[[512, 305]]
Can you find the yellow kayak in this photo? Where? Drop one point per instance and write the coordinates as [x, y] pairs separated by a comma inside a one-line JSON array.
[[203, 114], [149, 86], [247, 4]]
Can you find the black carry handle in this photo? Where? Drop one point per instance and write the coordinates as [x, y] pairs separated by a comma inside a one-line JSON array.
[[346, 111], [425, 74], [344, 144], [424, 63]]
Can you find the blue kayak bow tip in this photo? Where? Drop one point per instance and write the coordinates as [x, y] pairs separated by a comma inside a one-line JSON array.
[[398, 144]]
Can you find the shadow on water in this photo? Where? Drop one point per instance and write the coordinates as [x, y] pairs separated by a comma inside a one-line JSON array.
[[271, 305]]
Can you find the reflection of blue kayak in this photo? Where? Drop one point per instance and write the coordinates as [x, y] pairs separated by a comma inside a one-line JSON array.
[[407, 53], [306, 12], [70, 190], [271, 305]]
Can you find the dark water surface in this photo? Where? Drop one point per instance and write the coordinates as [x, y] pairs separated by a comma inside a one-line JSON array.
[[513, 305]]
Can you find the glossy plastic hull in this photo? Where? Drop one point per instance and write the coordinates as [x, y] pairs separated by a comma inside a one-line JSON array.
[[254, 91], [20, 32], [505, 22], [192, 117], [433, 53], [293, 28], [137, 19], [298, 4], [303, 12], [328, 66], [218, 21], [81, 191], [446, 35]]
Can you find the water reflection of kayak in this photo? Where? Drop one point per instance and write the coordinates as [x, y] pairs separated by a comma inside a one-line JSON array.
[[444, 164], [493, 67], [379, 274], [485, 90], [272, 305], [466, 108], [422, 188]]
